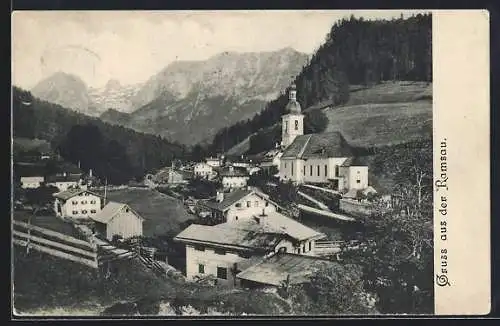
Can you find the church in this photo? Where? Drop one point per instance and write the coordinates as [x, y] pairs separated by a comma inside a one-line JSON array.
[[324, 158]]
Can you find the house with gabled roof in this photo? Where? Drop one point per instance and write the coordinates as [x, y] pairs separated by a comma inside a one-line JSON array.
[[118, 219], [77, 203], [233, 177], [223, 250], [239, 204]]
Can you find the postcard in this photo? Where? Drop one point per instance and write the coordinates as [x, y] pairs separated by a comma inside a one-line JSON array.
[[329, 163]]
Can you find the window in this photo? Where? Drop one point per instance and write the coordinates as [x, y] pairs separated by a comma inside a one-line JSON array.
[[304, 170], [238, 205], [92, 211], [336, 170], [310, 246], [74, 202], [201, 268], [236, 218], [296, 124], [267, 203], [249, 203], [84, 211], [199, 248], [292, 170], [222, 273], [92, 201], [298, 251], [358, 181], [286, 126], [75, 212], [310, 170], [84, 202], [326, 170], [256, 203], [285, 165], [318, 170], [304, 248], [126, 210], [220, 251]]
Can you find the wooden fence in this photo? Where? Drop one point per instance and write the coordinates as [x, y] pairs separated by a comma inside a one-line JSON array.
[[55, 244]]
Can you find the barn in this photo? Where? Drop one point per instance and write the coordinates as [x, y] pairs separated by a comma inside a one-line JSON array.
[[118, 219]]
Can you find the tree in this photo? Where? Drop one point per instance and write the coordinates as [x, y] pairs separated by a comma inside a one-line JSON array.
[[332, 289], [315, 121], [398, 266]]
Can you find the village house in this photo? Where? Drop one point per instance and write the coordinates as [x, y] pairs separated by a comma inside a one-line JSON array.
[[215, 161], [233, 178], [281, 267], [32, 182], [204, 170], [223, 250], [271, 160], [324, 158], [239, 204], [77, 203], [65, 181], [118, 219]]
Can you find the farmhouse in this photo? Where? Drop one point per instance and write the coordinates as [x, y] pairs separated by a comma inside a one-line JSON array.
[[64, 181], [118, 219], [32, 182], [281, 267], [225, 249], [239, 204], [324, 158], [77, 203], [233, 178], [214, 161], [204, 170]]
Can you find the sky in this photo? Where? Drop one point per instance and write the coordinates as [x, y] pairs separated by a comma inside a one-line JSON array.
[[132, 46]]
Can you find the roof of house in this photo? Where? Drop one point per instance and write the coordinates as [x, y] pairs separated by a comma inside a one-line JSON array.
[[61, 178], [72, 192], [352, 161], [227, 235], [229, 199], [264, 233], [324, 145], [37, 177], [275, 269], [109, 212], [234, 172]]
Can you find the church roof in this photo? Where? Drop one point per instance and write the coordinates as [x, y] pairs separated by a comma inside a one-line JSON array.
[[324, 145]]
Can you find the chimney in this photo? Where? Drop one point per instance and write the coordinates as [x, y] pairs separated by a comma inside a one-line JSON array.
[[220, 196], [65, 174], [90, 173]]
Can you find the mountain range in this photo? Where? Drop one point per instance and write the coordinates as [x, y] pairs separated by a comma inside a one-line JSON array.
[[187, 101]]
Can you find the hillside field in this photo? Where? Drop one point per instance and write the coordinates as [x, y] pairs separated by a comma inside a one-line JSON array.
[[163, 214], [385, 114]]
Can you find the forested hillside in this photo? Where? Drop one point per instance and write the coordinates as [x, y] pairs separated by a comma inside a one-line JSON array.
[[356, 52], [111, 151]]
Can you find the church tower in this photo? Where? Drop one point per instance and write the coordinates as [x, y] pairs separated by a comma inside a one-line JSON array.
[[293, 120]]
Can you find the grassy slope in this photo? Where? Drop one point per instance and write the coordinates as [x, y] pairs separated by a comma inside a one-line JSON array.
[[26, 144], [386, 114], [163, 214]]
